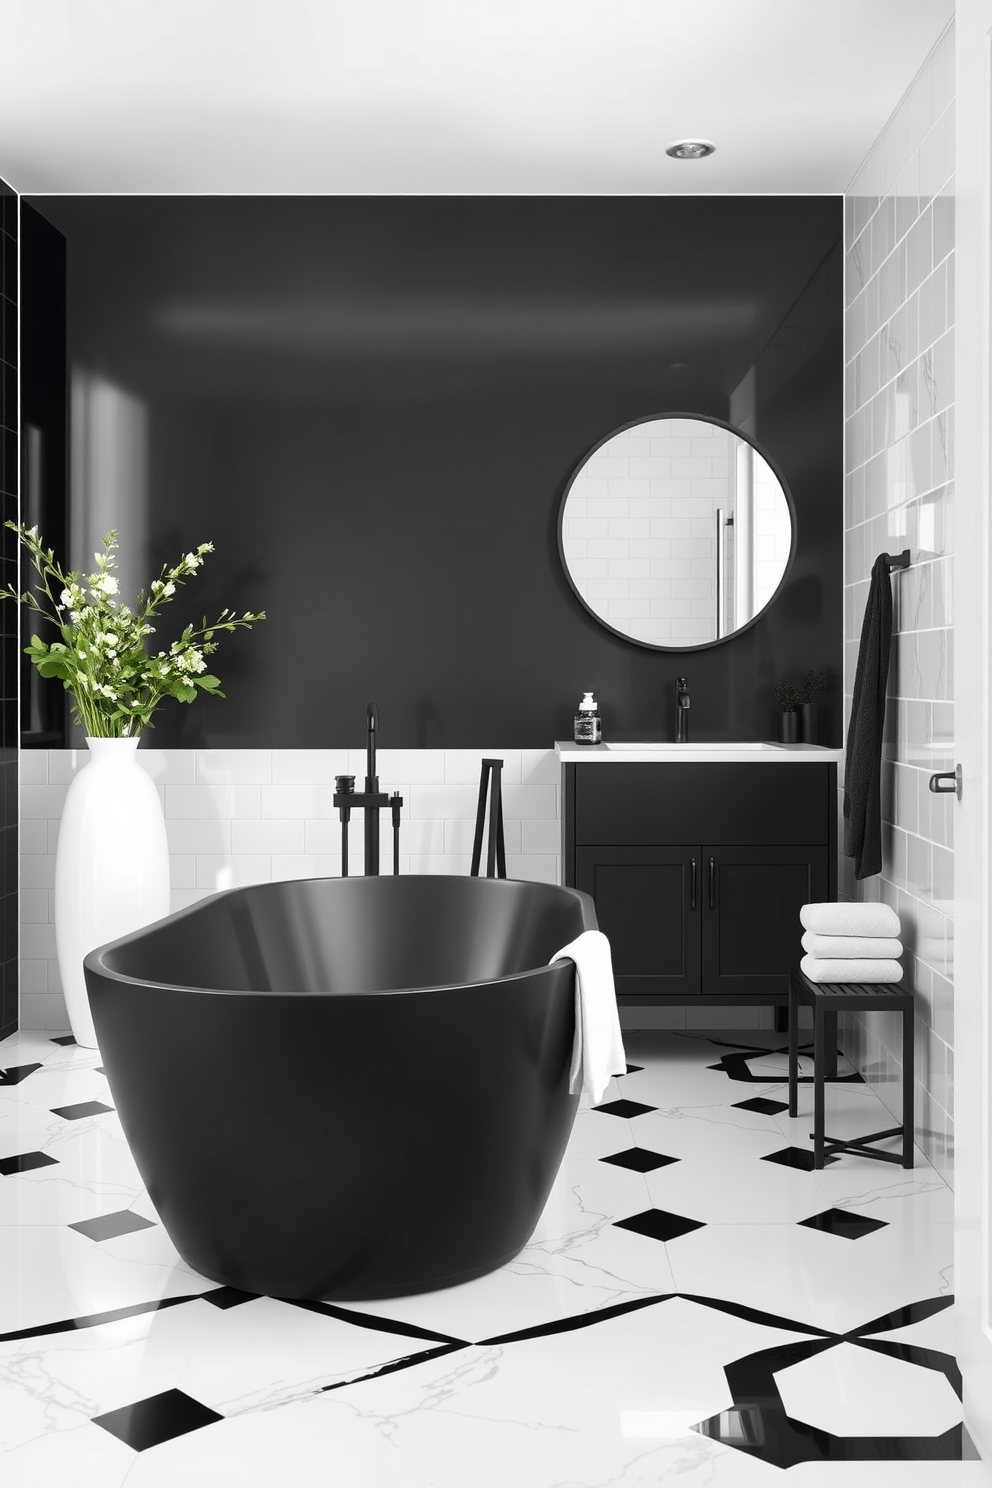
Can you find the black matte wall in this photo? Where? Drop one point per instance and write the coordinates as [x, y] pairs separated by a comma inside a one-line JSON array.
[[372, 406], [8, 613]]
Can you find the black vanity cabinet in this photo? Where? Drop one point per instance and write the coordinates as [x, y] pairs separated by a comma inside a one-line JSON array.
[[699, 871]]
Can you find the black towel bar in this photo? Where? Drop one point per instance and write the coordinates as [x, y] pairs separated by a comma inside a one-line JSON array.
[[897, 560]]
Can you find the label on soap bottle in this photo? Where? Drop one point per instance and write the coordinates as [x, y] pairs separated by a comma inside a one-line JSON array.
[[588, 728]]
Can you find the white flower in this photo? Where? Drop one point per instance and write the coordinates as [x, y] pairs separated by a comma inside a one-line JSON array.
[[66, 597], [192, 561], [110, 640], [169, 589], [191, 660], [105, 584]]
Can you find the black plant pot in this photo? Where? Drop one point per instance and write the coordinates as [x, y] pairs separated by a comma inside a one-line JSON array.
[[788, 728], [811, 729]]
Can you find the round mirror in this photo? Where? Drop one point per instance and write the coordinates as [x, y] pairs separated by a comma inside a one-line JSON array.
[[676, 532]]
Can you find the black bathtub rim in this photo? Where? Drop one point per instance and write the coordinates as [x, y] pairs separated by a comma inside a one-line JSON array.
[[94, 963]]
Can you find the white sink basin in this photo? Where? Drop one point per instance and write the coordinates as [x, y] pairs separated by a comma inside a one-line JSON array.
[[666, 745]]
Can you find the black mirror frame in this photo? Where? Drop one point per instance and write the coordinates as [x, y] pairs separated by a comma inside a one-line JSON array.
[[702, 418]]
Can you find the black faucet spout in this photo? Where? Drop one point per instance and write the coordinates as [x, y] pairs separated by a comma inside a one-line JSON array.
[[682, 706], [372, 724]]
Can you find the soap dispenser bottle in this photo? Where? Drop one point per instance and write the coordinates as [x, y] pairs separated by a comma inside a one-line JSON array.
[[588, 728]]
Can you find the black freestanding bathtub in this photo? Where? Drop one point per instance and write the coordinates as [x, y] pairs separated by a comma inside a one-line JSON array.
[[346, 1088]]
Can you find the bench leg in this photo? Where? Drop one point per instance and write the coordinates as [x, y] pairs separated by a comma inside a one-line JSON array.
[[830, 1056], [908, 1079], [793, 1051], [819, 1040]]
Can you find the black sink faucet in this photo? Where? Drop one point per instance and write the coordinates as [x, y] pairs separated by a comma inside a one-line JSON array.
[[682, 706]]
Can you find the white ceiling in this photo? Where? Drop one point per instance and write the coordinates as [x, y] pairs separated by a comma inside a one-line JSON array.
[[450, 96]]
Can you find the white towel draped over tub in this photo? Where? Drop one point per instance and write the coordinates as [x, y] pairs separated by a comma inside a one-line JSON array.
[[598, 1048], [850, 919]]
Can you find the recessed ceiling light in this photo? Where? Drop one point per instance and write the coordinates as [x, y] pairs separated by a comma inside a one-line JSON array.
[[690, 149]]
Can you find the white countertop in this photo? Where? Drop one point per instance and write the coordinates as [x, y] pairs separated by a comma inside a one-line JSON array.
[[750, 752]]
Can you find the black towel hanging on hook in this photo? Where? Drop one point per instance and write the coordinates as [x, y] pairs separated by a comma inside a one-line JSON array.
[[496, 853]]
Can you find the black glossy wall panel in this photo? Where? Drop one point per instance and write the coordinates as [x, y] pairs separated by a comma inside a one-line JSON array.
[[8, 613], [372, 406]]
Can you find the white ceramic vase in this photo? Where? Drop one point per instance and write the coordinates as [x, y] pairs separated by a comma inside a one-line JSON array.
[[111, 865]]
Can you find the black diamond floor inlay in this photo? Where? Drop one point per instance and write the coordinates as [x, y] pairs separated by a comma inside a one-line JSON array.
[[658, 1224], [762, 1105], [65, 1038], [624, 1108], [23, 1162], [795, 1157], [228, 1296], [148, 1423], [80, 1109], [632, 1069], [844, 1222], [109, 1226], [639, 1159], [15, 1073]]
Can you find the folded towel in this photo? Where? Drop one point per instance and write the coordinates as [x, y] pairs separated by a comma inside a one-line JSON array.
[[851, 971], [851, 947], [850, 919], [598, 1048]]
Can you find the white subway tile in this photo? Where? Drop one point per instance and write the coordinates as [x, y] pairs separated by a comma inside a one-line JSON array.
[[211, 801], [234, 766], [323, 835], [221, 871], [32, 836], [308, 766], [463, 767], [42, 801], [539, 767], [32, 767], [183, 898], [266, 837], [285, 802], [305, 865], [423, 835], [540, 835], [44, 1012], [456, 863], [33, 977], [37, 941], [198, 835], [64, 763], [169, 766], [528, 801], [33, 905], [459, 837], [37, 870], [532, 866]]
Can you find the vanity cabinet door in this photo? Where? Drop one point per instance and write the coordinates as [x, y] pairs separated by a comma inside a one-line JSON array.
[[751, 897], [648, 903]]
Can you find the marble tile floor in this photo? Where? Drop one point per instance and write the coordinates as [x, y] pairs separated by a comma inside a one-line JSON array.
[[696, 1303]]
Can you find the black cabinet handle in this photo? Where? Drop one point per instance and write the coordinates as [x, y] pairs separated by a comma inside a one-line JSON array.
[[692, 889], [712, 884]]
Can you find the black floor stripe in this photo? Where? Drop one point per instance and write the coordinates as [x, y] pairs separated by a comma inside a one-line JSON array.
[[406, 1362], [369, 1320], [94, 1319], [580, 1320]]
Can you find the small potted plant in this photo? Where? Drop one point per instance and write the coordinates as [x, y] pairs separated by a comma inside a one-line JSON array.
[[789, 700], [812, 683]]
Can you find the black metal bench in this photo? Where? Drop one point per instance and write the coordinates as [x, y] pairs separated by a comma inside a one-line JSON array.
[[827, 999]]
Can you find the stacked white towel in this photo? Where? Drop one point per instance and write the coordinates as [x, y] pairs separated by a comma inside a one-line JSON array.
[[851, 943], [597, 1050]]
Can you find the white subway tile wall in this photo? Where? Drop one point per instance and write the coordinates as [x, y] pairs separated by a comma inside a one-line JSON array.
[[654, 495], [899, 493], [255, 815]]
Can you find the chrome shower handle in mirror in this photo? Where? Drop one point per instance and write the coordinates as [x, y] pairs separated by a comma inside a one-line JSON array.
[[643, 531]]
